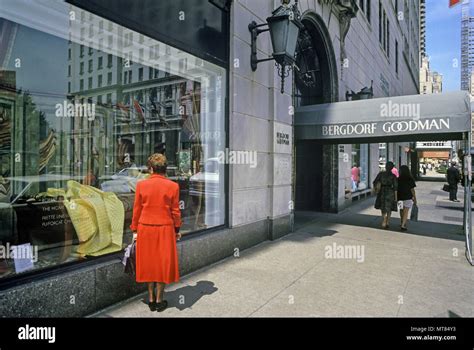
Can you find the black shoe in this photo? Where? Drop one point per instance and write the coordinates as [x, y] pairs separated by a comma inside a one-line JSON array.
[[161, 306], [152, 305], [403, 228]]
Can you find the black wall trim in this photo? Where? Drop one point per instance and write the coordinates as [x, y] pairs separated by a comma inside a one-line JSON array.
[[204, 32]]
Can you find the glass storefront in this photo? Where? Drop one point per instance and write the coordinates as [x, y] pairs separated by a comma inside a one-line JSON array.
[[83, 103], [360, 159], [360, 167]]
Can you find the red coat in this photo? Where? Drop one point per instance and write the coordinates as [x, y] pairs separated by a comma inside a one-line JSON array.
[[156, 203], [156, 216]]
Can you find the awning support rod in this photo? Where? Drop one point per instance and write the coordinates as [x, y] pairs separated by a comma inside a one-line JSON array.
[[467, 196]]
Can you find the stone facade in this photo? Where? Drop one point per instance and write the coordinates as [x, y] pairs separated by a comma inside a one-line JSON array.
[[255, 100], [258, 114]]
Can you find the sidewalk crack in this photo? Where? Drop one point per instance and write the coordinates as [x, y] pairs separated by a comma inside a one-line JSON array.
[[417, 254], [285, 288]]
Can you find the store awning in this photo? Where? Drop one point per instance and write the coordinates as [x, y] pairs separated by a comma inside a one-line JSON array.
[[393, 119], [435, 117]]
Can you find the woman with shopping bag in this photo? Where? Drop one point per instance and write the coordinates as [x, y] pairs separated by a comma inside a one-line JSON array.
[[385, 185], [156, 222], [406, 194]]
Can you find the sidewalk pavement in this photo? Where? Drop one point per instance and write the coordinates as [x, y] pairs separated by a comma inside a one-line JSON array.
[[420, 273]]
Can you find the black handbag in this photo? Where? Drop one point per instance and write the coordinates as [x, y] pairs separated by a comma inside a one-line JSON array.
[[394, 205], [445, 188]]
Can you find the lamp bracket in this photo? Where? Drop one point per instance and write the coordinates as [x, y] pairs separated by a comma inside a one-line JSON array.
[[255, 31]]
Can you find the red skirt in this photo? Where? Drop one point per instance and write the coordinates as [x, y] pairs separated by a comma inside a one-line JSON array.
[[157, 255]]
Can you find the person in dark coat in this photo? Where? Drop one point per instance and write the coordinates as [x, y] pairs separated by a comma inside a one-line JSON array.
[[386, 186], [406, 194], [453, 176]]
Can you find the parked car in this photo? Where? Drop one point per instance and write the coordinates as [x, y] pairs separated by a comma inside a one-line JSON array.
[[206, 182], [125, 181]]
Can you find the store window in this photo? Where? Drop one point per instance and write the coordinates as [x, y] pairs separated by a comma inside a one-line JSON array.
[[71, 156], [359, 167]]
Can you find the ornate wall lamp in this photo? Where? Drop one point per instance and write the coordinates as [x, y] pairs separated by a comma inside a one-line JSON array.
[[284, 26]]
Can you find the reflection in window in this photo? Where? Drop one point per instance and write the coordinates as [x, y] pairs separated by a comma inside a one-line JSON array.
[[357, 169], [71, 153]]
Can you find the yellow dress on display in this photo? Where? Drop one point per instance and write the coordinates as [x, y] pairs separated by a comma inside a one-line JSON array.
[[97, 216]]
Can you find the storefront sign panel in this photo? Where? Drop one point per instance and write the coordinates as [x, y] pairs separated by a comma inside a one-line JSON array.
[[380, 128]]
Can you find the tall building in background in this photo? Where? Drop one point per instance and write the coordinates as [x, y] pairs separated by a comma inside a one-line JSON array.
[[471, 85], [467, 43], [422, 29], [431, 82]]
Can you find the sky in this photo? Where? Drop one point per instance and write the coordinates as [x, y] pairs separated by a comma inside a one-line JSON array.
[[443, 41]]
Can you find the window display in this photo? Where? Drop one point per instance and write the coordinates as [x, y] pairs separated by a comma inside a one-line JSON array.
[[360, 167], [360, 157], [83, 103]]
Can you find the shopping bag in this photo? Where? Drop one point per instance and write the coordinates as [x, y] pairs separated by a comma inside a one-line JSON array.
[[446, 188], [414, 213], [129, 259]]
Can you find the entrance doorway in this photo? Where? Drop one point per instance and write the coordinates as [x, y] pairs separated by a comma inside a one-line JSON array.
[[309, 176], [316, 82]]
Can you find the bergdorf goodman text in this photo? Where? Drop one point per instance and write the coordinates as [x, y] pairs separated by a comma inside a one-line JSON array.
[[387, 127]]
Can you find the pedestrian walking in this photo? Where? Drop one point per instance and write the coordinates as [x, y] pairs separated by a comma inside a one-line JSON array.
[[406, 194], [156, 221], [453, 176], [355, 177], [386, 187]]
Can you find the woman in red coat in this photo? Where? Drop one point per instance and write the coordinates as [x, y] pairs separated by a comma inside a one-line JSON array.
[[156, 222]]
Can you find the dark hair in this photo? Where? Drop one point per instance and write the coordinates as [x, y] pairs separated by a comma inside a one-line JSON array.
[[405, 173], [389, 166]]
